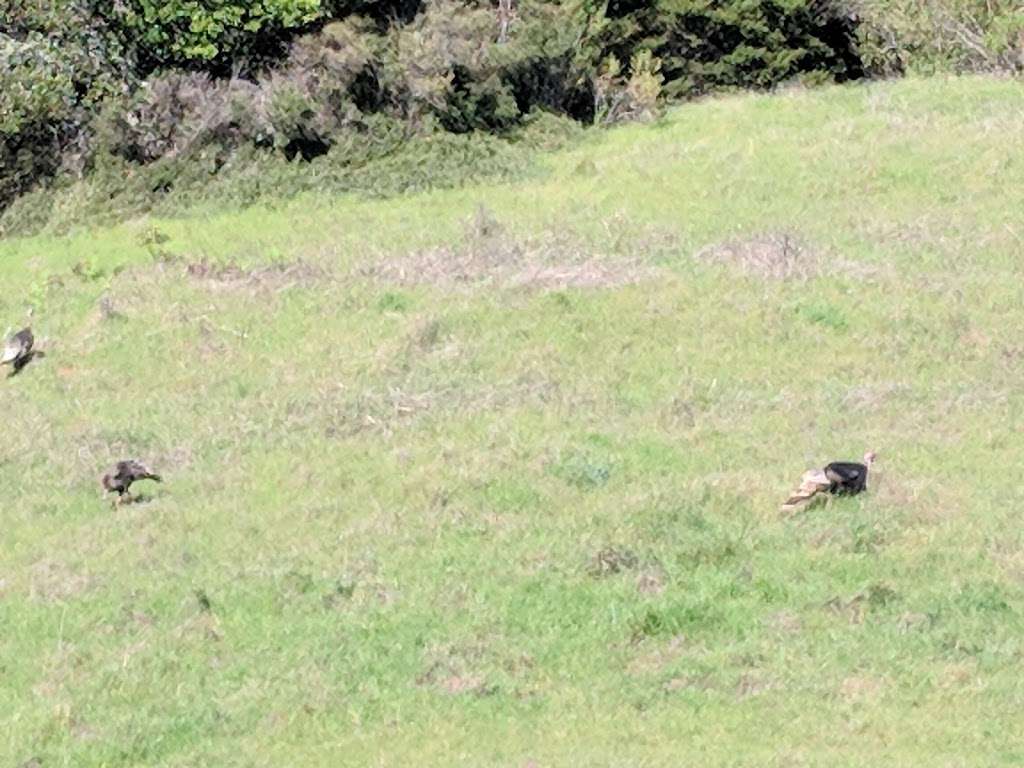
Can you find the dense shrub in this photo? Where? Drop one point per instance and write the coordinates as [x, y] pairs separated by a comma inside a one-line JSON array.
[[447, 65], [381, 161], [706, 46], [618, 98], [57, 61], [158, 84], [927, 36], [221, 32]]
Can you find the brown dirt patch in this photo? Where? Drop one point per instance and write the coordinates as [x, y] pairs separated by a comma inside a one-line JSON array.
[[612, 560], [488, 254], [454, 670]]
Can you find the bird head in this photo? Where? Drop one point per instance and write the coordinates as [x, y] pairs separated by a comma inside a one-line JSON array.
[[869, 458]]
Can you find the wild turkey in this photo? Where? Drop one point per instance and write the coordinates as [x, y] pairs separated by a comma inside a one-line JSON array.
[[18, 350], [121, 477], [838, 478]]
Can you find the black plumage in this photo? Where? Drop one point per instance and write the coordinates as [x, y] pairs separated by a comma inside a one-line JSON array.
[[18, 350], [846, 477], [124, 473], [839, 478]]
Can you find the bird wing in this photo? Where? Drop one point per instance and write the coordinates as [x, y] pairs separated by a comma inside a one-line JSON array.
[[18, 345], [129, 468], [135, 469], [843, 472], [26, 339], [815, 478], [836, 477]]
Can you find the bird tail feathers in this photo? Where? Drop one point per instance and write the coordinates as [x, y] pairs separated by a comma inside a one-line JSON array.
[[813, 482]]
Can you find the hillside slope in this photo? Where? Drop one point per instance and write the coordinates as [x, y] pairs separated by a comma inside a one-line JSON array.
[[491, 476]]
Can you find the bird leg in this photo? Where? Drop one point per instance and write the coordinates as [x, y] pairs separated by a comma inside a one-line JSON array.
[[122, 498]]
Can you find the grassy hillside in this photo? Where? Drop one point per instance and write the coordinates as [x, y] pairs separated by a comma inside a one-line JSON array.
[[491, 476]]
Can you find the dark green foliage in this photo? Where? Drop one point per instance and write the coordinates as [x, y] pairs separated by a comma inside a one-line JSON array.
[[705, 46], [85, 83], [927, 36], [57, 61], [382, 162], [215, 33]]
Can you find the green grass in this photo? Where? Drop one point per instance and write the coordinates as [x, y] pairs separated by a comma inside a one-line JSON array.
[[393, 487]]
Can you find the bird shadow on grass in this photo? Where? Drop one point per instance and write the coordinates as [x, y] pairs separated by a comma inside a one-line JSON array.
[[19, 367], [820, 505], [133, 500]]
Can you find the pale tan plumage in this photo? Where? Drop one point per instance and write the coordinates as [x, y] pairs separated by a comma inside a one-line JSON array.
[[812, 483]]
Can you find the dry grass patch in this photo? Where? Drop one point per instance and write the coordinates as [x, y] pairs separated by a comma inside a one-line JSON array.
[[784, 622], [455, 670], [768, 255], [651, 581], [857, 607], [862, 688], [385, 409], [782, 255], [96, 450], [654, 657], [54, 581], [612, 560], [273, 277], [753, 684], [488, 254]]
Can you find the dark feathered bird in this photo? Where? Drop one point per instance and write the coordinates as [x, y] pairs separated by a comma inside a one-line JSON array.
[[18, 350], [838, 478], [121, 477]]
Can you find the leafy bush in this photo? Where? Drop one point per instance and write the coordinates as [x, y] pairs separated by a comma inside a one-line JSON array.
[[75, 38], [927, 36], [56, 61], [378, 160], [618, 99], [705, 46], [132, 83], [222, 32]]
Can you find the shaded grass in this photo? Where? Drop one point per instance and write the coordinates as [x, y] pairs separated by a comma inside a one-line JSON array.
[[385, 499]]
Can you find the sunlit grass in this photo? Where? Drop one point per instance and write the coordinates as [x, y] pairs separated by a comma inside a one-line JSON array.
[[400, 497]]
